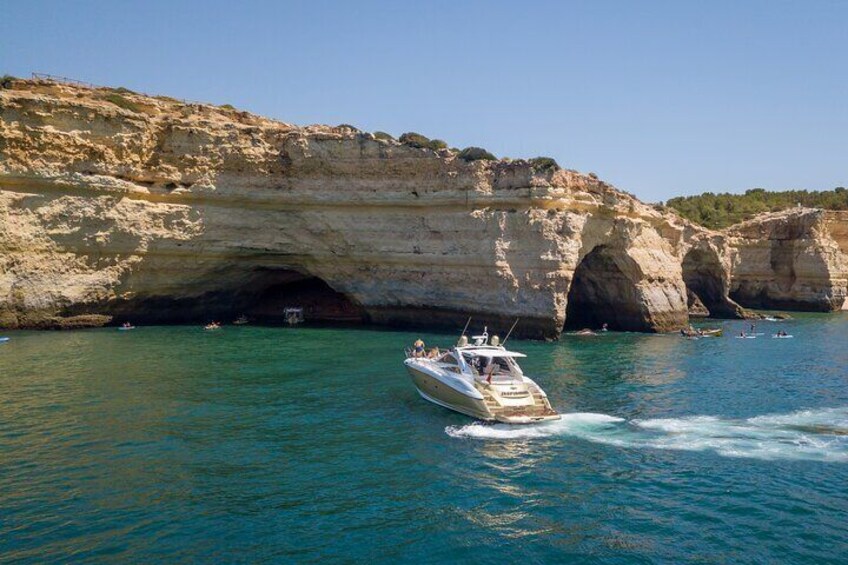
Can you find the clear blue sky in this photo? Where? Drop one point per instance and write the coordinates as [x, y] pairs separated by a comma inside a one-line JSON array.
[[659, 98]]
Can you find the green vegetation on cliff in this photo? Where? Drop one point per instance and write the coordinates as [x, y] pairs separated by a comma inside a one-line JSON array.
[[421, 142], [122, 102], [476, 154], [721, 210]]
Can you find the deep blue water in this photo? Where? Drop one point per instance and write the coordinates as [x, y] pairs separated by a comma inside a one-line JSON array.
[[307, 445]]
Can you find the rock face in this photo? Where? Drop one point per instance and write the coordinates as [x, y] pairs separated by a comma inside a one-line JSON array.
[[167, 212], [794, 260], [119, 206]]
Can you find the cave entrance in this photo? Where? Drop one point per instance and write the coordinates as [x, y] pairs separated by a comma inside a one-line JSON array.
[[706, 289], [602, 293], [278, 290]]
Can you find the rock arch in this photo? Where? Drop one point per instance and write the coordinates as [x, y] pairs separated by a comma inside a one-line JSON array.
[[260, 293], [609, 286], [707, 284]]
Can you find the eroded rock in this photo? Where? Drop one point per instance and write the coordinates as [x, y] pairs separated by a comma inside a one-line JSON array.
[[794, 260], [167, 212]]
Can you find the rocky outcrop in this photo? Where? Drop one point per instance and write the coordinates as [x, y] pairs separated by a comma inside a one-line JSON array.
[[793, 260], [117, 204], [706, 259]]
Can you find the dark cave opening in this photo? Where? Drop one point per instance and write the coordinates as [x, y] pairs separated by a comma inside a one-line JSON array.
[[262, 297], [706, 289], [601, 293], [320, 302]]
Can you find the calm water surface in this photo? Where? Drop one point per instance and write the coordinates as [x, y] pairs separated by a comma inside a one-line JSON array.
[[278, 445]]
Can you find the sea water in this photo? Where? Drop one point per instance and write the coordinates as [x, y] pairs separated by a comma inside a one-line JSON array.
[[254, 444]]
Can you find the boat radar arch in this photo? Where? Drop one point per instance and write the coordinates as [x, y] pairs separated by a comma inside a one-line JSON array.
[[483, 338]]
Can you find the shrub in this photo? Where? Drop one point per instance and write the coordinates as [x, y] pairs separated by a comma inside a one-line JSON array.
[[476, 154], [383, 135], [122, 90], [348, 126], [436, 144], [122, 102], [228, 107], [541, 164], [414, 140], [6, 81]]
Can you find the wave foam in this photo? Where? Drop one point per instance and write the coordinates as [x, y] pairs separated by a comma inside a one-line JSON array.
[[820, 435]]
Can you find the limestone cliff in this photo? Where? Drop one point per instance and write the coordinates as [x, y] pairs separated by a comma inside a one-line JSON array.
[[118, 205], [794, 260]]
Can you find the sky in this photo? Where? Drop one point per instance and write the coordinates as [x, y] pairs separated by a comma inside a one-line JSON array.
[[659, 98]]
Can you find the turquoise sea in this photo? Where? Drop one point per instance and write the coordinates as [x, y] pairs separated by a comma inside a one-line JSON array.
[[311, 445]]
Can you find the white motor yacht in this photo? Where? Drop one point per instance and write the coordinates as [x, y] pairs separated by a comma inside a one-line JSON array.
[[482, 380]]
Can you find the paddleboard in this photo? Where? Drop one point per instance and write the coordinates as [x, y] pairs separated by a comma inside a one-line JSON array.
[[782, 336], [745, 337]]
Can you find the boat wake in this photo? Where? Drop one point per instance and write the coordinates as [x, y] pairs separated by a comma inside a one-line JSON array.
[[817, 435]]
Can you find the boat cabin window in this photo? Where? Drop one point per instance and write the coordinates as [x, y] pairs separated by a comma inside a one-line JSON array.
[[480, 364], [500, 364], [449, 359]]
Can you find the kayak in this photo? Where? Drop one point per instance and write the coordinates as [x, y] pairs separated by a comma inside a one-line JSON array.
[[745, 337], [782, 336], [4, 339], [712, 333], [126, 328]]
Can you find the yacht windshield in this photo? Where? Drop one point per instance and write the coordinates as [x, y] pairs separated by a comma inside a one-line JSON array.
[[485, 365]]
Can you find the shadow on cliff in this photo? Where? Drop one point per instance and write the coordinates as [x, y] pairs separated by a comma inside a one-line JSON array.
[[263, 297], [708, 286], [605, 289]]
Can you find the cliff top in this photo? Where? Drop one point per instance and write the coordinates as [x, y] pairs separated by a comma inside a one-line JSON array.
[[120, 139]]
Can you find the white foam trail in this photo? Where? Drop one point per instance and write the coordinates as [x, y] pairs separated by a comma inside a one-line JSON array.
[[570, 424], [820, 435]]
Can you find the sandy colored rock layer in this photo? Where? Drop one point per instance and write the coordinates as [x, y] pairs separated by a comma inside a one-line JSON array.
[[151, 209], [793, 260]]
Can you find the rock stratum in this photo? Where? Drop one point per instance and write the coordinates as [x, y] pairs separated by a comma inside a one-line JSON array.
[[115, 205], [793, 260]]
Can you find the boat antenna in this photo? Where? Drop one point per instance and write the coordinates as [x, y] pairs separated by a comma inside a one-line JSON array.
[[466, 327], [509, 333]]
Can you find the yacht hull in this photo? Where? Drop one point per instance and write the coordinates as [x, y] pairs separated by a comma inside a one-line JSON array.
[[443, 394]]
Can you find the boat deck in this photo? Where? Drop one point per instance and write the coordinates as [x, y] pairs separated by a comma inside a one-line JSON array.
[[540, 410]]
